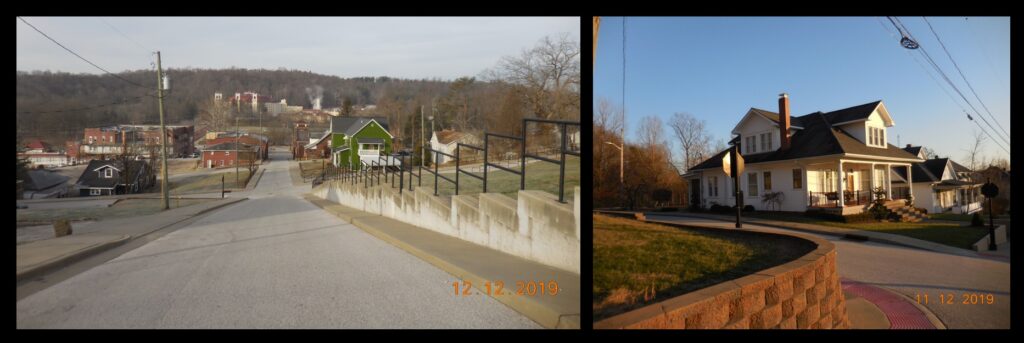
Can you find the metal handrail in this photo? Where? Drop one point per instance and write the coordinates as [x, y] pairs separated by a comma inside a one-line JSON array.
[[458, 155], [437, 160]]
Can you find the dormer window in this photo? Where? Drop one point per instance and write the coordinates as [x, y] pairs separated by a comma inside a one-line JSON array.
[[108, 173], [876, 137]]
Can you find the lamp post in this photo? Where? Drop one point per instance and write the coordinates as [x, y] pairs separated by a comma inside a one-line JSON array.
[[990, 190], [622, 161]]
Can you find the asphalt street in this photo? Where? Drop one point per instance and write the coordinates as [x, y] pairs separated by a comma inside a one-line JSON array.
[[274, 261]]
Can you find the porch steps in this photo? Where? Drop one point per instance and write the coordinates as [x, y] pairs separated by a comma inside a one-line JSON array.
[[907, 213]]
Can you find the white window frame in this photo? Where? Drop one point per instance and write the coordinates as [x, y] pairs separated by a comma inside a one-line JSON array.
[[799, 177], [108, 173], [764, 144], [752, 192], [94, 191]]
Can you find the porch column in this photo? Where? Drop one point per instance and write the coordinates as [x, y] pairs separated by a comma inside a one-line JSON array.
[[910, 182], [888, 181], [839, 184], [871, 182]]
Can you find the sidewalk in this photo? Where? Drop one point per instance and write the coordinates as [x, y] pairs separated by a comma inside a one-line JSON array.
[[473, 263], [829, 230], [870, 307], [37, 257]]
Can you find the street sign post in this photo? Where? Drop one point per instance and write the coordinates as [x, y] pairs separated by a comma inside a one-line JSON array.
[[990, 190], [732, 164]]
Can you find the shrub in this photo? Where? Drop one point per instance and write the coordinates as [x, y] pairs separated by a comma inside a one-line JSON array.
[[824, 215], [976, 220], [748, 208]]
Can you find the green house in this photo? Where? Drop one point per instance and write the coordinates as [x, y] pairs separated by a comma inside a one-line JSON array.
[[357, 141]]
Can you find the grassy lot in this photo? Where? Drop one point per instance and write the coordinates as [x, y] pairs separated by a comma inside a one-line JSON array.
[[638, 263], [208, 183], [177, 166], [540, 175], [123, 208], [943, 233], [311, 168]]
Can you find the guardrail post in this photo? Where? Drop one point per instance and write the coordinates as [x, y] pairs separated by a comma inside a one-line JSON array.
[[561, 171], [522, 159], [436, 160], [457, 168], [485, 162]]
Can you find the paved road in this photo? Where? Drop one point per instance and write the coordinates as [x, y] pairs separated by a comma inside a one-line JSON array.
[[274, 261], [913, 271]]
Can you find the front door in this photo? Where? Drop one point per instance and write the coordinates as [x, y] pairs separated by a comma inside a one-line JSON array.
[[695, 192]]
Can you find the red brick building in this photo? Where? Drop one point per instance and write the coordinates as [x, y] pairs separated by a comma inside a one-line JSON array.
[[261, 145], [225, 155]]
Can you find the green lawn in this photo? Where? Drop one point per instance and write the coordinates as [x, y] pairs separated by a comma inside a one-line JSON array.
[[123, 208], [540, 175], [943, 233], [951, 216], [638, 263], [208, 183]]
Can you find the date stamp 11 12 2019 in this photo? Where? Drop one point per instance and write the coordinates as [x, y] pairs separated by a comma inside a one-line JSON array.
[[492, 288], [957, 299]]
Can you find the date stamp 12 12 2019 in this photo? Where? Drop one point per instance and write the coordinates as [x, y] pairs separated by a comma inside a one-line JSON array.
[[492, 288]]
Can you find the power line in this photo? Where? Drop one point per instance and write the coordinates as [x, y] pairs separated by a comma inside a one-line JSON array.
[[80, 56], [906, 32], [964, 77], [124, 35]]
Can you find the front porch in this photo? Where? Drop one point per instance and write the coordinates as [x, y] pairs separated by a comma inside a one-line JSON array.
[[845, 186]]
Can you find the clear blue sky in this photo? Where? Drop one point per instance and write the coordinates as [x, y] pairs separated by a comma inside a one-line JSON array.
[[405, 47], [717, 68]]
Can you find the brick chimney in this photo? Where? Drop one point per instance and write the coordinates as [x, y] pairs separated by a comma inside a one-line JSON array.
[[784, 121]]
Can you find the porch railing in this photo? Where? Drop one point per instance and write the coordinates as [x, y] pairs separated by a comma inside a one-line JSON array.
[[900, 193], [831, 199]]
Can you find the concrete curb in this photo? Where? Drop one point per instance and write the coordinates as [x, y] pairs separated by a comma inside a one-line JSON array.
[[64, 260], [533, 310], [252, 184]]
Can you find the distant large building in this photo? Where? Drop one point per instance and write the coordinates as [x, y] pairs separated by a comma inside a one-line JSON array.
[[105, 142], [275, 108]]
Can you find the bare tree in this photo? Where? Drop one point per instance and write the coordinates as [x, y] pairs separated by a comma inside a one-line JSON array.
[[974, 157], [215, 115], [548, 76], [693, 138]]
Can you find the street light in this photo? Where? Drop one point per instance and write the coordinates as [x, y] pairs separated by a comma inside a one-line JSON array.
[[622, 161]]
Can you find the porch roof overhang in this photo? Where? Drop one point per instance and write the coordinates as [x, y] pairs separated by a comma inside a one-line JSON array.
[[956, 184]]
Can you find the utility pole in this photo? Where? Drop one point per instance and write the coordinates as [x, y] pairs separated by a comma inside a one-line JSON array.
[[237, 159], [163, 133], [423, 142]]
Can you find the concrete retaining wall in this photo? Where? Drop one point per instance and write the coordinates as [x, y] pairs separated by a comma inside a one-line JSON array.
[[535, 227], [982, 244], [801, 294]]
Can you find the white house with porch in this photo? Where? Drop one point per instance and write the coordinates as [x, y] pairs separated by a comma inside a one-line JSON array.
[[940, 184], [823, 160]]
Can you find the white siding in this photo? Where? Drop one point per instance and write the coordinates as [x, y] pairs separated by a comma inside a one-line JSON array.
[[754, 126], [859, 130]]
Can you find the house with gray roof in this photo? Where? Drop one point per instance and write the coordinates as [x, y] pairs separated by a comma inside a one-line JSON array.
[[358, 142], [941, 184], [827, 161], [111, 177]]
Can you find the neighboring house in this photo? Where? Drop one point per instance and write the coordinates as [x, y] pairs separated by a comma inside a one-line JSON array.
[[357, 142], [822, 161], [40, 154], [998, 176], [446, 140], [105, 177], [42, 184], [226, 155], [940, 185]]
